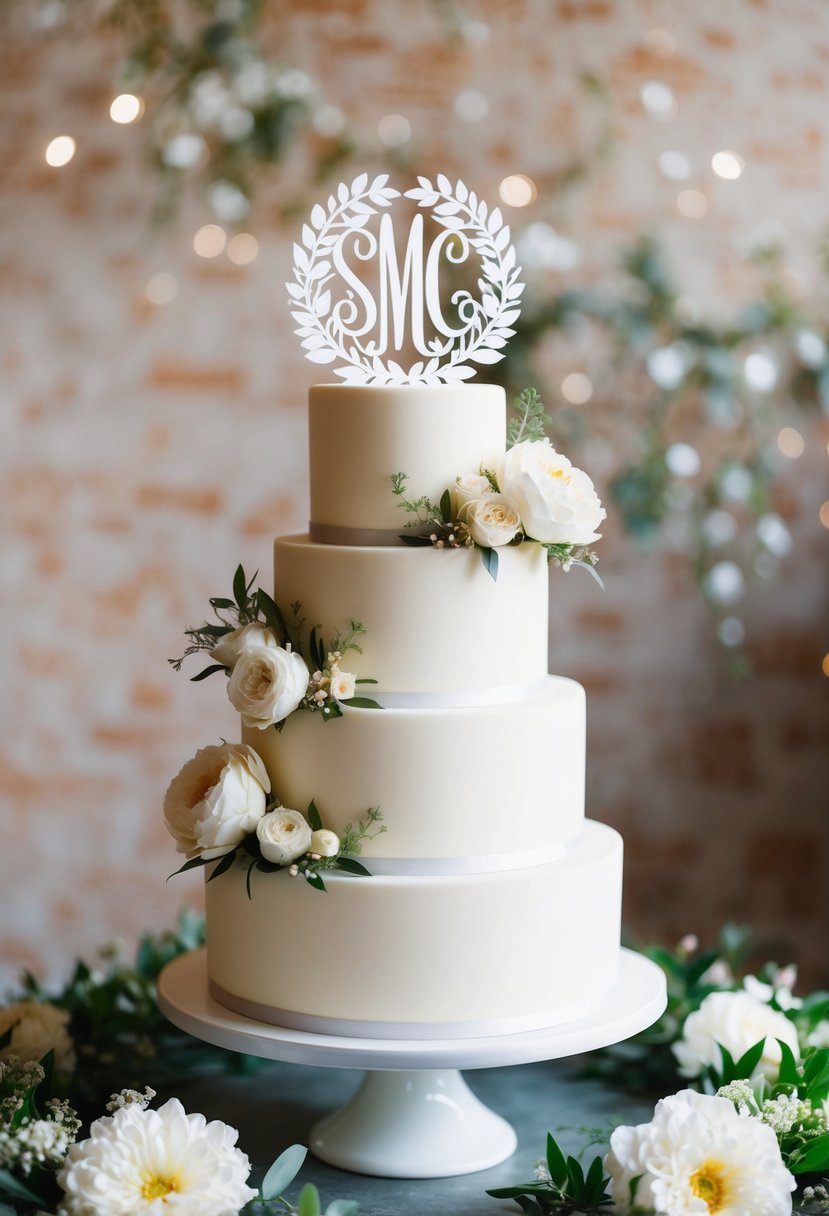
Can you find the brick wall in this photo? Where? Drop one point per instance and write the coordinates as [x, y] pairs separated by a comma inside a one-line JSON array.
[[147, 449]]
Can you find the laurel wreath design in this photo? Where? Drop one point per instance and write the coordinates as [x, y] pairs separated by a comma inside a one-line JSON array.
[[488, 319]]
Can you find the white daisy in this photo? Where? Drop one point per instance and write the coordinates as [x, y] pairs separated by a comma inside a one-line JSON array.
[[699, 1157], [154, 1162]]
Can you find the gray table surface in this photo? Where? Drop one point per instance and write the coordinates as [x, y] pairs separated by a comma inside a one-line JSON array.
[[279, 1105]]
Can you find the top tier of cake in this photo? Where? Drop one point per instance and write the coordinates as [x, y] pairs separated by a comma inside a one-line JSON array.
[[360, 435]]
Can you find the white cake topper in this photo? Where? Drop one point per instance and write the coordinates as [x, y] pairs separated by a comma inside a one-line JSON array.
[[358, 329]]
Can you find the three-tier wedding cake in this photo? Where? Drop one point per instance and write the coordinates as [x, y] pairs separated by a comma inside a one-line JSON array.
[[490, 905]]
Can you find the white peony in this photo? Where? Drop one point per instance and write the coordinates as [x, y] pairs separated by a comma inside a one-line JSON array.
[[557, 502], [325, 842], [216, 800], [228, 648], [137, 1162], [267, 682], [37, 1028], [283, 836], [738, 1020], [468, 488], [492, 520], [699, 1157], [343, 684]]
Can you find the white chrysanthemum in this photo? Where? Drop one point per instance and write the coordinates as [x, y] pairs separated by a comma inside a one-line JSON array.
[[39, 1027], [699, 1157], [737, 1020], [216, 800], [153, 1162]]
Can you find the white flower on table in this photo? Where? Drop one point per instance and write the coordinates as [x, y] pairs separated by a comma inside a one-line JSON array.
[[37, 1027], [557, 502], [737, 1020], [268, 681], [699, 1157], [284, 835], [216, 800], [493, 520], [140, 1161]]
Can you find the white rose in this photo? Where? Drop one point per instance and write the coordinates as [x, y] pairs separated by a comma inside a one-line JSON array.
[[557, 502], [267, 682], [698, 1155], [738, 1020], [492, 520], [283, 836], [324, 842], [216, 800], [228, 648], [39, 1028], [343, 684], [467, 488]]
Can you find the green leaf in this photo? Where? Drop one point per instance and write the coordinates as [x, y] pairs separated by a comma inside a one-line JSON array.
[[556, 1161], [217, 601], [342, 1207], [308, 1203], [283, 1171], [595, 1181], [314, 816], [489, 559], [446, 506], [248, 878], [6, 1036], [188, 865], [813, 1157], [240, 587], [315, 880], [591, 570], [208, 671], [513, 1192], [788, 1074], [14, 1187], [364, 702], [273, 617], [223, 865], [365, 680], [352, 867], [748, 1061], [419, 541], [331, 711], [576, 1176]]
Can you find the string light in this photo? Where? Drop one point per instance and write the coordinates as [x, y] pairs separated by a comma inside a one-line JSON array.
[[576, 388], [658, 100], [394, 130], [518, 190], [790, 442], [60, 150], [471, 105], [162, 287], [242, 248], [692, 204], [209, 241], [125, 108], [727, 165]]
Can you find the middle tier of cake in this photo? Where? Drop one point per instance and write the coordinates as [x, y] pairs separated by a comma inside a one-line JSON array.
[[461, 790]]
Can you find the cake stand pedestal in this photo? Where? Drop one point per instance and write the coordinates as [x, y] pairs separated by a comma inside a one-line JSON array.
[[414, 1115]]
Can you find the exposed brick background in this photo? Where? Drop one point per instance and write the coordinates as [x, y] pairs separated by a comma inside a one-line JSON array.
[[146, 450]]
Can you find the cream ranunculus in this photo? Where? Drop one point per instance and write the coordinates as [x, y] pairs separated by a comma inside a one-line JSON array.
[[267, 682], [228, 648], [137, 1162], [699, 1157], [343, 684], [737, 1020], [557, 502], [492, 520], [216, 800], [467, 488], [284, 835], [38, 1028], [325, 842]]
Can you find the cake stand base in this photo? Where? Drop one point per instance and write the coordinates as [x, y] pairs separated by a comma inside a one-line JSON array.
[[413, 1116]]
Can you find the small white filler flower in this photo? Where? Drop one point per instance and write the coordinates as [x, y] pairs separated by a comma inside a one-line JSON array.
[[699, 1157], [140, 1161]]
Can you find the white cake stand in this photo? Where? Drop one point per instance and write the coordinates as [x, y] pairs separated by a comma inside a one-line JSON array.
[[414, 1115]]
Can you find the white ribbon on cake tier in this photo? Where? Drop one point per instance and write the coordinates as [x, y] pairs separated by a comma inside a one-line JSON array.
[[332, 534], [455, 698], [401, 1031]]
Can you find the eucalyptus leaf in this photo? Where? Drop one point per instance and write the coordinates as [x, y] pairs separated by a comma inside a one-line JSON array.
[[283, 1171], [489, 559], [342, 1207], [591, 570]]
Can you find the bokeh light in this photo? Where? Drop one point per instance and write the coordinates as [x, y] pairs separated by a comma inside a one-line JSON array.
[[727, 165], [518, 190], [692, 204], [242, 248], [125, 108], [394, 130], [576, 388], [209, 241], [790, 442], [60, 150], [162, 287]]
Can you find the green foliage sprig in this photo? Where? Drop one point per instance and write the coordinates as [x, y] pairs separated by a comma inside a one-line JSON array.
[[561, 1187], [531, 421]]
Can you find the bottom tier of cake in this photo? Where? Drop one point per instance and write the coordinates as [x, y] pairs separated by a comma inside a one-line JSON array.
[[452, 956]]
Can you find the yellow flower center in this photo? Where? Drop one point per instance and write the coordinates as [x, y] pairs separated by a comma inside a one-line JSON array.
[[157, 1186], [708, 1183]]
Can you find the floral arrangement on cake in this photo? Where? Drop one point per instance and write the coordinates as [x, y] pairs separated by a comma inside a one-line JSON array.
[[263, 657], [534, 495], [218, 808]]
